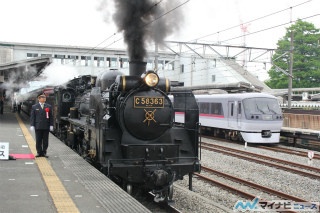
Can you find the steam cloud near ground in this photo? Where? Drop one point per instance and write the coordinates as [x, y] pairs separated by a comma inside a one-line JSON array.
[[56, 74], [53, 75]]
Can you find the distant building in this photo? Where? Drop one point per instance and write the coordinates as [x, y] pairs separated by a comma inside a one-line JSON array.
[[205, 73]]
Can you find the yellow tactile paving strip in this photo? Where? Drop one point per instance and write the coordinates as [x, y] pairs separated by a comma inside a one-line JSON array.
[[60, 196]]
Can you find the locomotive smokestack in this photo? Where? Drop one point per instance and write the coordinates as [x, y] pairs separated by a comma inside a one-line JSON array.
[[137, 67]]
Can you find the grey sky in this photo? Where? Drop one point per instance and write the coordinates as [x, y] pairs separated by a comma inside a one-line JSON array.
[[80, 23]]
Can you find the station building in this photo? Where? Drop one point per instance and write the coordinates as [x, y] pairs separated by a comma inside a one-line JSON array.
[[190, 70]]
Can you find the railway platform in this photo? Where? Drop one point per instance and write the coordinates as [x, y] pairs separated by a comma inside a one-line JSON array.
[[64, 182]]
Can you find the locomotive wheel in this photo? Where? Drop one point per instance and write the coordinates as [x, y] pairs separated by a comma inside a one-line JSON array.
[[129, 189]]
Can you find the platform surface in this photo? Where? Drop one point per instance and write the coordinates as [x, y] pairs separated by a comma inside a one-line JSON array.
[[64, 182]]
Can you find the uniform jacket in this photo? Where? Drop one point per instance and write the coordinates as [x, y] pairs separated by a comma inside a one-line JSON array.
[[38, 117]]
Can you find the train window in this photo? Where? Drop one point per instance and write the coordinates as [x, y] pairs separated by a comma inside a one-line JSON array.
[[204, 108], [261, 106], [216, 108], [239, 108], [232, 105]]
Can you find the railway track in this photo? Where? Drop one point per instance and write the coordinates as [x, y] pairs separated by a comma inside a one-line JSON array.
[[265, 160], [244, 193], [247, 183], [275, 149], [288, 151]]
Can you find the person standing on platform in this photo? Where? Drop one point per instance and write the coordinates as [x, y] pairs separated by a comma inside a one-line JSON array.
[[41, 121]]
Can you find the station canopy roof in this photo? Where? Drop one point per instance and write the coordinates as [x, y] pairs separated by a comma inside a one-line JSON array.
[[17, 74]]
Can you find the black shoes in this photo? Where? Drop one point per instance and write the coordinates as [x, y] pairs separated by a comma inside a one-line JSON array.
[[42, 155], [11, 157]]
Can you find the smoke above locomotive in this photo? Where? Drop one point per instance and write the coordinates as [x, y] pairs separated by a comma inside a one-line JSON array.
[[145, 22]]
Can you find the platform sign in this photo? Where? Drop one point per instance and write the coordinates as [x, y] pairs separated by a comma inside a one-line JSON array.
[[4, 150]]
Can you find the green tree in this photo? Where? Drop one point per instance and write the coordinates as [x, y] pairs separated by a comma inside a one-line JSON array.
[[306, 58]]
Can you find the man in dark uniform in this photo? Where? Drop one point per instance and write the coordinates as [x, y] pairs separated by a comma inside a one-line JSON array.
[[41, 120]]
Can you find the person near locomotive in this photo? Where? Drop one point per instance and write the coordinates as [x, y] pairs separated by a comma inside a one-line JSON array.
[[41, 121]]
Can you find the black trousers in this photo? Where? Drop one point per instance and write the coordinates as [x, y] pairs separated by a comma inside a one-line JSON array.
[[42, 141]]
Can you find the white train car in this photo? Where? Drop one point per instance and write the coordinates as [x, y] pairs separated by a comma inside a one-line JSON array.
[[248, 117]]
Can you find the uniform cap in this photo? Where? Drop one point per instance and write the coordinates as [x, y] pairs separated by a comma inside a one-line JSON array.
[[41, 94]]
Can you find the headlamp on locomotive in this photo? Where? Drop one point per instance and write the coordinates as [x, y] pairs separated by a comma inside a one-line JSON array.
[[150, 78]]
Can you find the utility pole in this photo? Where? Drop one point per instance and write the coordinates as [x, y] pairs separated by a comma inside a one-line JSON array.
[[244, 29], [291, 63], [290, 71]]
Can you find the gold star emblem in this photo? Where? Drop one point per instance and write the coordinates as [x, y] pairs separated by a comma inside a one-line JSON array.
[[149, 116]]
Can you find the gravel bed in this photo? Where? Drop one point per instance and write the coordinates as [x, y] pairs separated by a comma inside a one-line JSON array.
[[287, 182]]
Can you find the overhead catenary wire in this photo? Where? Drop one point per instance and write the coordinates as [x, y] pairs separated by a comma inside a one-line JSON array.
[[248, 22], [259, 18], [269, 28]]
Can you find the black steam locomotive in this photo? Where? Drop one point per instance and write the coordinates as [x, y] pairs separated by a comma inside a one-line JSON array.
[[125, 126]]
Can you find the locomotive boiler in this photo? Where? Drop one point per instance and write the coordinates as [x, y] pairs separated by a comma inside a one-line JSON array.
[[124, 125]]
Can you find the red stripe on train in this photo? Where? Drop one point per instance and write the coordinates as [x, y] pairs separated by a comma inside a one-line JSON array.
[[204, 115]]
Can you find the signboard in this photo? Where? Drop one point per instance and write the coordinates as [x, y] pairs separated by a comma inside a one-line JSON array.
[[4, 151]]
